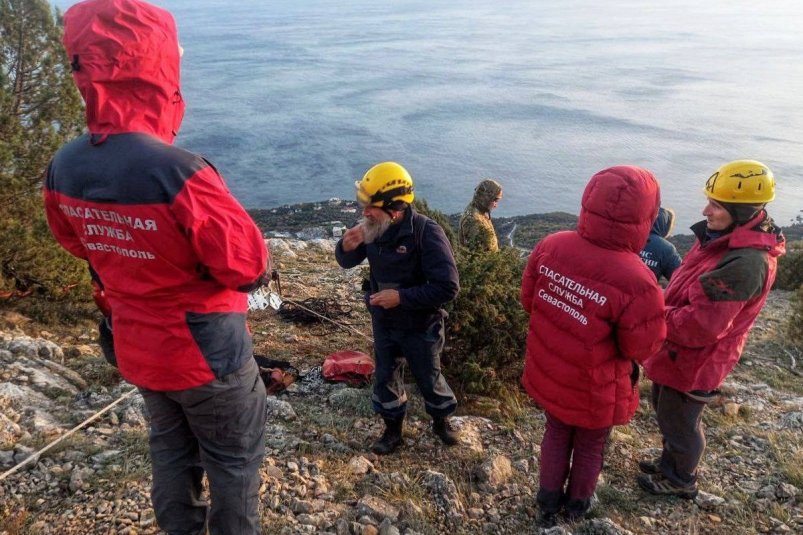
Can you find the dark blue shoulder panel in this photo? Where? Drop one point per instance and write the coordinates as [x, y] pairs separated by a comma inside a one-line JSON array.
[[124, 169]]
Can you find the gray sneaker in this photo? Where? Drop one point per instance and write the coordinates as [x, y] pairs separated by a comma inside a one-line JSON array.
[[660, 485], [650, 466]]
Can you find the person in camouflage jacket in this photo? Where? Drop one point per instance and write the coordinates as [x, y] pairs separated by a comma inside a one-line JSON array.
[[476, 230]]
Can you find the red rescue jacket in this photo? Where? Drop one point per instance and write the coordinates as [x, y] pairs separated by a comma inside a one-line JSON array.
[[712, 302], [595, 308], [171, 247]]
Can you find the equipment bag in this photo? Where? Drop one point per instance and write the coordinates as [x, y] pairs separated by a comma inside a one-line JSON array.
[[352, 367]]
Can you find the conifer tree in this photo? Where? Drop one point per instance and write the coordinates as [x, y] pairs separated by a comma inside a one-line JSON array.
[[39, 110]]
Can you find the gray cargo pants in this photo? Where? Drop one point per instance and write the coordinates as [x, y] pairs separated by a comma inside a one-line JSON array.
[[680, 421], [217, 428]]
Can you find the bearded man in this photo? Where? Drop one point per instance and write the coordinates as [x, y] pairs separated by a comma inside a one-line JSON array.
[[413, 274]]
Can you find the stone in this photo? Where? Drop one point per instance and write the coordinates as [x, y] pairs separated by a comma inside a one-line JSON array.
[[495, 471], [470, 428], [387, 528], [730, 409], [278, 408], [377, 508], [784, 491], [443, 491], [601, 526], [360, 466], [708, 501]]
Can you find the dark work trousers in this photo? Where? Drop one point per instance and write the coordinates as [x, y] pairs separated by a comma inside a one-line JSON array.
[[422, 350], [680, 421], [217, 428], [570, 452]]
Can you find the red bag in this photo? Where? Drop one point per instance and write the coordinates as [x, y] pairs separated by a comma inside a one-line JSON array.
[[352, 367]]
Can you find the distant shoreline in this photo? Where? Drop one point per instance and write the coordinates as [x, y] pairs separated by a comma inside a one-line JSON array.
[[320, 219]]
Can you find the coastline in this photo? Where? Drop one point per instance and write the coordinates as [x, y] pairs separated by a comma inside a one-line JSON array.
[[322, 219]]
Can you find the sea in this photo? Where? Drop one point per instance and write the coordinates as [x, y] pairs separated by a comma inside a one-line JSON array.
[[293, 100]]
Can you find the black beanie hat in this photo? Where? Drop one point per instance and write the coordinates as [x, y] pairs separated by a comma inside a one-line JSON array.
[[740, 212]]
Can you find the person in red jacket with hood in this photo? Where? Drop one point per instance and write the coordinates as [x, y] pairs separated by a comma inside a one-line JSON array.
[[595, 312], [711, 304], [174, 254]]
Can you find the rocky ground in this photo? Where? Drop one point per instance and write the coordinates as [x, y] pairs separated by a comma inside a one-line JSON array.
[[319, 477]]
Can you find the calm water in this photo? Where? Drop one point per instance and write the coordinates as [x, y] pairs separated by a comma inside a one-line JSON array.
[[294, 100]]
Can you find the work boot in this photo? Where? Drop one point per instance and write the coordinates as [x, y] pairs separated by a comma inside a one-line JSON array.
[[658, 484], [442, 427], [391, 438]]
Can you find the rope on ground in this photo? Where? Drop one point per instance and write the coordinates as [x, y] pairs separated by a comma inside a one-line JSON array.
[[323, 306], [35, 456]]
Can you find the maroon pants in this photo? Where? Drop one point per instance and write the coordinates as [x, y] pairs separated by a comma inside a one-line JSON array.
[[574, 453]]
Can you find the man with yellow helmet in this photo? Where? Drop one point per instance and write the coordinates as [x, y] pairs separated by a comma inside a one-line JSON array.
[[712, 301], [413, 274]]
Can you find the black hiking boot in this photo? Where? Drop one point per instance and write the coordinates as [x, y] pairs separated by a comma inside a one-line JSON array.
[[549, 505], [442, 427], [391, 438], [576, 509]]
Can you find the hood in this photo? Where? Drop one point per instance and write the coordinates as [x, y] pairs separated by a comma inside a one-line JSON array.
[[125, 59], [758, 233], [663, 224], [618, 208], [486, 193]]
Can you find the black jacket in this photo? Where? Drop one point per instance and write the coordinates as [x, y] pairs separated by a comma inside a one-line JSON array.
[[423, 271]]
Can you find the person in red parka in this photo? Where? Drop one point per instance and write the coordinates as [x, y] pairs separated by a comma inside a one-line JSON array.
[[595, 312], [711, 304], [174, 254]]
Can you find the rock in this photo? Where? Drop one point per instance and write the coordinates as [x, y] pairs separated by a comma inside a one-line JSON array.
[[522, 465], [792, 420], [601, 526], [324, 245], [708, 501], [784, 491], [730, 409], [377, 508], [79, 477], [33, 347], [495, 471], [443, 491], [280, 409], [312, 233], [471, 428], [387, 528], [360, 466], [476, 513]]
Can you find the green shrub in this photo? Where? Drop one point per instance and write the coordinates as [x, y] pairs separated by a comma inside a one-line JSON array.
[[487, 327], [790, 268]]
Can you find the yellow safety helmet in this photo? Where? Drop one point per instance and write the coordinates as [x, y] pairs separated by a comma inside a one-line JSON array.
[[741, 181], [384, 184]]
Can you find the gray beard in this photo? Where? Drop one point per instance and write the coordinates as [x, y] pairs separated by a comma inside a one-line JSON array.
[[371, 230]]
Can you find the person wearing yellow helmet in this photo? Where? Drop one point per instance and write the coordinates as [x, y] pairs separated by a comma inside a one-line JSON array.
[[711, 301], [413, 274]]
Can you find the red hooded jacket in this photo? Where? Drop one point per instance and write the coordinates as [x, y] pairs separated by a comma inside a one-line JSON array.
[[171, 247], [595, 308], [711, 303]]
